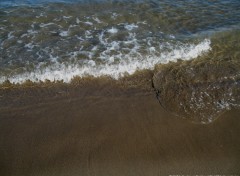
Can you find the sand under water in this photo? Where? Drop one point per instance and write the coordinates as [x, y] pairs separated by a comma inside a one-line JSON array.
[[98, 129]]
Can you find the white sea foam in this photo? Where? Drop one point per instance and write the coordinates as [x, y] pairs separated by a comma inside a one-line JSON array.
[[47, 24], [112, 30], [63, 33], [24, 35], [97, 20], [130, 26], [29, 46], [67, 17], [77, 20], [128, 65], [88, 23], [32, 32], [10, 35]]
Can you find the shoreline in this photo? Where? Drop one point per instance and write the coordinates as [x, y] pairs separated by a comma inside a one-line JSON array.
[[119, 88]]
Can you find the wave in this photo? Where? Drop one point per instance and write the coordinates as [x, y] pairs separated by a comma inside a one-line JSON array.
[[62, 72], [204, 88]]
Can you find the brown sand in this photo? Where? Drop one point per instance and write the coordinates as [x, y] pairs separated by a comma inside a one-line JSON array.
[[120, 133]]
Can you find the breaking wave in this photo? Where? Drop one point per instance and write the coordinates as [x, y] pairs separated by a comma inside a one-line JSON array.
[[126, 66]]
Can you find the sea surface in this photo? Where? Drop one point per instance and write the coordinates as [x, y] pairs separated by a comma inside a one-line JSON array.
[[61, 39], [191, 48]]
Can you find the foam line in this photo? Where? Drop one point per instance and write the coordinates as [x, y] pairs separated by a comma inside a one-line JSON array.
[[58, 71]]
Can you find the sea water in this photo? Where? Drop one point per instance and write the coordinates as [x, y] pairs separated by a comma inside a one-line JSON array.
[[61, 39]]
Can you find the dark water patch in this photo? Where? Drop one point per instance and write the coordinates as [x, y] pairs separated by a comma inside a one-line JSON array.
[[202, 89]]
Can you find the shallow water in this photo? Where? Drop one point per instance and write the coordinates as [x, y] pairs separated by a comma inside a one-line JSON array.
[[111, 40], [57, 40]]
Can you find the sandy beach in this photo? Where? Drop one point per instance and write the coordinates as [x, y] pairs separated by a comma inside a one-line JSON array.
[[85, 131], [119, 88]]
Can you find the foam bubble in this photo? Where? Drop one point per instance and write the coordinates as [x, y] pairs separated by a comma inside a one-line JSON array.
[[130, 26], [67, 17], [97, 20], [77, 20], [10, 35], [128, 65], [112, 30], [63, 33], [88, 23], [29, 46], [47, 24]]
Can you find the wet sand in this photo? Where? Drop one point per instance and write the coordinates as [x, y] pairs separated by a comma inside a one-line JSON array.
[[92, 132]]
